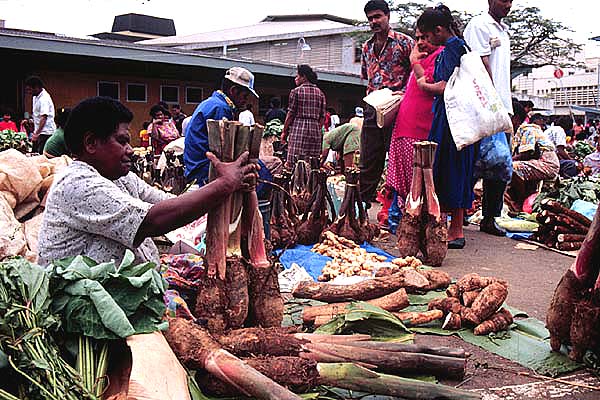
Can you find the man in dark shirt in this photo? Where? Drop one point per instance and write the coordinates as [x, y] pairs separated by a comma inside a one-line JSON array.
[[275, 112], [178, 117]]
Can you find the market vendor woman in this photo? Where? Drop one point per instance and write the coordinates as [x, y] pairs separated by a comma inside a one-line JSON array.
[[98, 208]]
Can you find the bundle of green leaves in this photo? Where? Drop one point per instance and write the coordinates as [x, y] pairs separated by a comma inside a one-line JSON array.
[[14, 140], [567, 191], [27, 326], [108, 301]]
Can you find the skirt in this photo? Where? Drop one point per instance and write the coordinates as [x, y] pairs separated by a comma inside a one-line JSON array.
[[400, 166]]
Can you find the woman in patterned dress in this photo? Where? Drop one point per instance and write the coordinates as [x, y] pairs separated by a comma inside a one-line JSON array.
[[412, 125], [306, 114]]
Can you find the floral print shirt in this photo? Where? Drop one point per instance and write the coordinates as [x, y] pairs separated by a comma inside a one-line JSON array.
[[87, 214], [526, 138], [391, 67]]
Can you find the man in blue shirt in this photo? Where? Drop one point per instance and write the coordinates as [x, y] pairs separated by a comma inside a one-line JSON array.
[[237, 85]]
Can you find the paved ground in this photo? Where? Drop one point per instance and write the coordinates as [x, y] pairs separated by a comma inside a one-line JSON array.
[[532, 275]]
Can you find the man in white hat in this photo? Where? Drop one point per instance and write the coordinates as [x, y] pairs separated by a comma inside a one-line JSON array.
[[358, 118], [237, 86]]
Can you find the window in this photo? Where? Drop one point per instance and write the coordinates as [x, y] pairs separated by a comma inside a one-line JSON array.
[[136, 92], [357, 53], [109, 89], [169, 94], [193, 95]]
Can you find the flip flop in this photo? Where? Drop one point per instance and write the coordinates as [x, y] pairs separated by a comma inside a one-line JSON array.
[[457, 243]]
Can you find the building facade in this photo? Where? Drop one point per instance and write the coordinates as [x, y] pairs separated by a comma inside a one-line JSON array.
[[577, 87], [323, 41], [141, 75]]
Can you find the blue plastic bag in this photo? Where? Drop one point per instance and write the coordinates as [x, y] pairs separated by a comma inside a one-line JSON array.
[[495, 160]]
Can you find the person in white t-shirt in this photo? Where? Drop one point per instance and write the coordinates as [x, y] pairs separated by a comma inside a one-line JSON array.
[[43, 113], [557, 134], [488, 36], [246, 117]]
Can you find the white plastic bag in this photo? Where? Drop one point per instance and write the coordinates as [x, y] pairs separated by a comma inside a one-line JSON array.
[[473, 106]]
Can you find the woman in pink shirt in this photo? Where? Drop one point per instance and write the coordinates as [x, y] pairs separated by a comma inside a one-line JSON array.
[[413, 124]]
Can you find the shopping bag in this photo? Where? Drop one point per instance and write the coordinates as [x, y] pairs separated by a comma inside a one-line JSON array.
[[473, 107], [386, 105], [495, 160]]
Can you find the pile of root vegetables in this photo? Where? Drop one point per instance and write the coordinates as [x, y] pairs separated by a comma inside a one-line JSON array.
[[240, 286], [353, 221], [388, 292], [275, 363], [423, 227], [476, 302], [573, 317], [561, 228]]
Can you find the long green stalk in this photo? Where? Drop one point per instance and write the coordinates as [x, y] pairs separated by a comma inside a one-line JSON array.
[[101, 378], [352, 377]]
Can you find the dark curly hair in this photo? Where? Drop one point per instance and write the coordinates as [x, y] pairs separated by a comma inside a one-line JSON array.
[[307, 72], [100, 116]]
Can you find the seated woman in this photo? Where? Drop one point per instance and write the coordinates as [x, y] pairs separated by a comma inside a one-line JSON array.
[[534, 159], [98, 208]]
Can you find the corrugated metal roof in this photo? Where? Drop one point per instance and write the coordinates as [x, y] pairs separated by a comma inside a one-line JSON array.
[[50, 43], [263, 31]]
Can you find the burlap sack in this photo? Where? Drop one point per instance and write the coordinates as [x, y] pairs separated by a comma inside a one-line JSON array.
[[19, 181], [12, 238]]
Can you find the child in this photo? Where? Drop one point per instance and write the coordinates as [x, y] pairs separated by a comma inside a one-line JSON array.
[[7, 123], [144, 135], [453, 170]]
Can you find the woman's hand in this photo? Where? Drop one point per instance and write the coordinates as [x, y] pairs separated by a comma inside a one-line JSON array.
[[422, 82], [416, 55], [236, 175]]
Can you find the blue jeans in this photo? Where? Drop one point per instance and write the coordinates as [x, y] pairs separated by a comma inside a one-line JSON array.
[[394, 213]]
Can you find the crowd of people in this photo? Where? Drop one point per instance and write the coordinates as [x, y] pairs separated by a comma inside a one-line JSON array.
[[122, 211]]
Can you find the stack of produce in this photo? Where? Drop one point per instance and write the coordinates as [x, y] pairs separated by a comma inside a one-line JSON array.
[[75, 298], [422, 226], [14, 140], [388, 292], [574, 313], [353, 221], [475, 301], [348, 258], [319, 214], [304, 361], [240, 286], [567, 191], [284, 219], [560, 227], [299, 186]]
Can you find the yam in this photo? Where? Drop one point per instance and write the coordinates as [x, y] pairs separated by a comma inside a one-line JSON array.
[[560, 312], [452, 322], [469, 297], [437, 279], [419, 318], [487, 303], [498, 322], [447, 305]]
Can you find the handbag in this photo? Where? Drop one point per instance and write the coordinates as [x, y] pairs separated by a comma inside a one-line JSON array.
[[386, 105], [473, 107]]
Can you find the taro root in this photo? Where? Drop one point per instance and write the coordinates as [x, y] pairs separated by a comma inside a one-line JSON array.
[[422, 226], [299, 186], [284, 219], [353, 222], [578, 280], [434, 243], [409, 231], [317, 218]]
